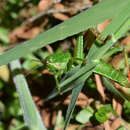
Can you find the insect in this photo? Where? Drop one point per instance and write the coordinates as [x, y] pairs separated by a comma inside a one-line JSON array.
[[58, 63]]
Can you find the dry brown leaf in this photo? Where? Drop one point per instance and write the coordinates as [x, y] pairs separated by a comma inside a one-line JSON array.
[[126, 40], [49, 48], [24, 33], [44, 5], [117, 106], [107, 126], [100, 87], [15, 33], [30, 33], [49, 117], [116, 123], [124, 90], [72, 127], [103, 25], [47, 72], [61, 16], [59, 6], [116, 60], [2, 4], [81, 101]]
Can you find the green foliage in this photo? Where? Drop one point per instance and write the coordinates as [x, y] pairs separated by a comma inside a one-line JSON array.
[[2, 126], [85, 114], [31, 62], [1, 84], [126, 110], [102, 113], [10, 12], [4, 35], [121, 128]]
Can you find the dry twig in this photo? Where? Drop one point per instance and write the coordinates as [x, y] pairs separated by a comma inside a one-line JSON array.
[[52, 11]]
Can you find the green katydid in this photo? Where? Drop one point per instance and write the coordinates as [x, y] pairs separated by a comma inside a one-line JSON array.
[[59, 62]]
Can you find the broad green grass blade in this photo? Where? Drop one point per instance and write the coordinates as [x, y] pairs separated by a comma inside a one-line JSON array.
[[108, 71], [31, 116], [93, 16], [112, 89], [117, 23], [75, 93]]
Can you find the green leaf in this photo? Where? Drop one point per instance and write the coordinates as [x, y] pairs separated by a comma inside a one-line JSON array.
[[121, 128], [79, 23], [84, 115], [126, 107], [4, 35], [101, 114], [101, 117]]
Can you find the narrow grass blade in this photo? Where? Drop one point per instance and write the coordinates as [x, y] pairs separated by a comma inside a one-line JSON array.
[[108, 71], [78, 50], [70, 86], [93, 16], [31, 116], [112, 89], [81, 72], [75, 93], [79, 83]]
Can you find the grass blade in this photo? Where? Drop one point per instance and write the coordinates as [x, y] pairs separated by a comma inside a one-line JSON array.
[[95, 15], [31, 116], [75, 93], [79, 83], [112, 89], [70, 86]]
